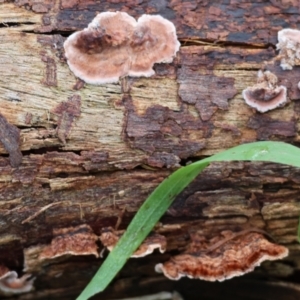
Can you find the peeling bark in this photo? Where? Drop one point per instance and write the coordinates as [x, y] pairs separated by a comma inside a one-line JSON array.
[[10, 138], [67, 111]]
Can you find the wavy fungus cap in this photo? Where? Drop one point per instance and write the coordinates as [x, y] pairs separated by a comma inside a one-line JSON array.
[[266, 94], [109, 238], [99, 54], [289, 48], [115, 45], [236, 257], [154, 41], [66, 242], [10, 284]]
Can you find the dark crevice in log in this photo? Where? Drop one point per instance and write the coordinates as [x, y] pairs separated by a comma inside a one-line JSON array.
[[64, 34], [219, 43], [15, 24]]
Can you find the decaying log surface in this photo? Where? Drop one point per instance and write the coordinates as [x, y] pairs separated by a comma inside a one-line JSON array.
[[88, 153]]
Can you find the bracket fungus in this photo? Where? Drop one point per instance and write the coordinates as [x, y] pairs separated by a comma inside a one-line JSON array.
[[71, 241], [115, 45], [154, 40], [10, 284], [265, 94], [289, 48], [109, 238], [79, 240], [236, 255]]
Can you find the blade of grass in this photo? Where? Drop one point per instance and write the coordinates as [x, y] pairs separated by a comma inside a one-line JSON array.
[[298, 231], [162, 197]]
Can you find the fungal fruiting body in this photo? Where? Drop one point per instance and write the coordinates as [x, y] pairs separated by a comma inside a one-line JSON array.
[[79, 240], [236, 257], [109, 238], [10, 284], [71, 241], [266, 94], [154, 41], [99, 54], [115, 45], [289, 48]]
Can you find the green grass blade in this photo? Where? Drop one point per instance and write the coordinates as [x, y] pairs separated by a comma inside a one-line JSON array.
[[277, 152], [142, 223], [162, 197], [298, 231]]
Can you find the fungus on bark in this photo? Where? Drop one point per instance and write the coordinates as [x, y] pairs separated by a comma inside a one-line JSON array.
[[265, 94], [154, 41], [10, 284], [99, 53], [109, 238], [115, 45], [289, 48], [79, 240], [237, 255]]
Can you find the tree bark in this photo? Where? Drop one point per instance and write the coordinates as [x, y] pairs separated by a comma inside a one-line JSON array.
[[88, 153]]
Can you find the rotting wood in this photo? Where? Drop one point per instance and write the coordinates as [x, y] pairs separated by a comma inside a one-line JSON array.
[[86, 163], [10, 138]]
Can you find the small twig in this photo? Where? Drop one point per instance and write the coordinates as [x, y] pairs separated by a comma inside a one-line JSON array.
[[51, 205], [102, 252], [39, 212], [120, 217], [9, 211], [215, 43], [81, 210]]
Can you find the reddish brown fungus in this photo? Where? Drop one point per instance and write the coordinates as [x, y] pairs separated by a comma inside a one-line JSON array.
[[78, 240], [109, 238], [234, 257], [66, 242]]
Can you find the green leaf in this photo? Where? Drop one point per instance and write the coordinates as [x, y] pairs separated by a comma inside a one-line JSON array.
[[162, 197]]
